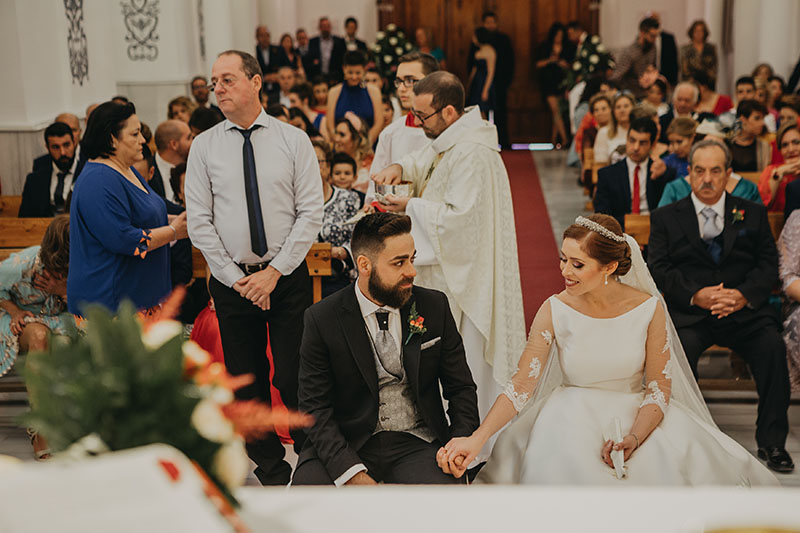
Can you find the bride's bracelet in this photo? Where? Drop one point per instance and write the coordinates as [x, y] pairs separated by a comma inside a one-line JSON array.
[[637, 440]]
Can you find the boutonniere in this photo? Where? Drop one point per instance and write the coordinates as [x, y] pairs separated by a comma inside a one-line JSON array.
[[415, 323], [738, 214]]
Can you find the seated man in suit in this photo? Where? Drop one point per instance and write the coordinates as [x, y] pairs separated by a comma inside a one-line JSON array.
[[372, 359], [635, 184], [47, 189], [714, 258], [74, 123], [173, 140]]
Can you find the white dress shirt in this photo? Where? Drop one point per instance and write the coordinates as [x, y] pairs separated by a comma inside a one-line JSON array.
[[284, 100], [288, 186], [368, 308], [69, 179], [643, 207], [165, 168], [718, 208]]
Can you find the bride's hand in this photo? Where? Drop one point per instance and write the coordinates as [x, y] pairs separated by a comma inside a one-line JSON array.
[[628, 444], [460, 453]]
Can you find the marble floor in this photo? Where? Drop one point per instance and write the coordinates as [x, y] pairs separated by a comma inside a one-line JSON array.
[[734, 412]]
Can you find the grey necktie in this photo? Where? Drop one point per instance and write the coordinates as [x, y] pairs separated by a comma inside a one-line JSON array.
[[386, 347], [710, 229]]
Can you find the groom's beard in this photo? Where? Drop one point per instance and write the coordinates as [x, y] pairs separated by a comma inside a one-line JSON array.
[[391, 295]]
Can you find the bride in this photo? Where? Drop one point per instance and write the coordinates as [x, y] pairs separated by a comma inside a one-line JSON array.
[[604, 349]]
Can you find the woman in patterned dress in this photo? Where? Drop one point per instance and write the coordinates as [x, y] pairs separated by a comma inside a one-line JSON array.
[[33, 291]]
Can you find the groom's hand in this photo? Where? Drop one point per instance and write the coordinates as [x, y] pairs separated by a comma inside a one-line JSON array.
[[362, 478]]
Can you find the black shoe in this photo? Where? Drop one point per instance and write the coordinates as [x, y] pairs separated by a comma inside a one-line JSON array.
[[777, 458]]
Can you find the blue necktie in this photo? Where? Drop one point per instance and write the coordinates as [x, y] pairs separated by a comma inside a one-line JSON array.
[[258, 238], [711, 233]]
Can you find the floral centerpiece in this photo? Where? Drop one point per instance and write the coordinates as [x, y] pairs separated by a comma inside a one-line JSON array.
[[125, 382], [593, 59], [389, 46]]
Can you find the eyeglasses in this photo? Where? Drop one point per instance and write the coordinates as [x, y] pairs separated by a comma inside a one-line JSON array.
[[227, 82], [408, 82], [423, 119]]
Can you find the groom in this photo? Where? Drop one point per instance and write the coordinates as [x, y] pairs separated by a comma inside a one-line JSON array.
[[372, 359]]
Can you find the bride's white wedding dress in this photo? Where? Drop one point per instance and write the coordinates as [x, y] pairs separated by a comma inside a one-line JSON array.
[[578, 373]]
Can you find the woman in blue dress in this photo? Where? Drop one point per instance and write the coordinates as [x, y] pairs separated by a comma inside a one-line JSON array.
[[119, 225], [481, 78], [354, 95], [33, 293]]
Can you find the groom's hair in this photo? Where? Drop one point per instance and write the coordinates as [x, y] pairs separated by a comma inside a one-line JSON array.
[[372, 231]]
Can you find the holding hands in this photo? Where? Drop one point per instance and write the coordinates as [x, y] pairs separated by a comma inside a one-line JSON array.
[[456, 455]]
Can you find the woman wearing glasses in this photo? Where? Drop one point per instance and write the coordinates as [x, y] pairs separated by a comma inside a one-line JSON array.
[[355, 96]]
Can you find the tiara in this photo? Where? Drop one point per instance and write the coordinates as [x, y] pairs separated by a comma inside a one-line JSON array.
[[594, 226]]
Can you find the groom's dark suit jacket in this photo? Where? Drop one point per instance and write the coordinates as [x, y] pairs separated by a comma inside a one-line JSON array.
[[338, 381], [681, 263]]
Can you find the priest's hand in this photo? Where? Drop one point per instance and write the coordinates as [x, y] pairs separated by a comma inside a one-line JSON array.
[[395, 204], [391, 175], [258, 286], [362, 478]]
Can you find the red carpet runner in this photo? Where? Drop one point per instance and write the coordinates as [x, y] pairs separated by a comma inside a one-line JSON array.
[[538, 253]]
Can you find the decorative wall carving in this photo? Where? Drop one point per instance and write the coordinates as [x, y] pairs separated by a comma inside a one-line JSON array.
[[141, 22], [76, 42], [201, 30]]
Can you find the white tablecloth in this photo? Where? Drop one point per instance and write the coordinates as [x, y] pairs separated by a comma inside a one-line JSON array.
[[490, 509]]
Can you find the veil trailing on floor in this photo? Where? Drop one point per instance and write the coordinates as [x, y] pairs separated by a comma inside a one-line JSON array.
[[504, 467]]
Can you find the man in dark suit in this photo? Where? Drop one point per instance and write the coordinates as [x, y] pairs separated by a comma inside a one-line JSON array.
[[173, 139], [372, 359], [268, 58], [503, 76], [74, 123], [301, 37], [714, 258], [48, 189], [352, 42], [635, 184], [667, 53], [684, 99], [326, 52]]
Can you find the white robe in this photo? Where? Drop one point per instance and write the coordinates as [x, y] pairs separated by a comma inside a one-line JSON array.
[[463, 227]]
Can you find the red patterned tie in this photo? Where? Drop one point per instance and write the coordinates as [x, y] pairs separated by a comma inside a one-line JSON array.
[[635, 200]]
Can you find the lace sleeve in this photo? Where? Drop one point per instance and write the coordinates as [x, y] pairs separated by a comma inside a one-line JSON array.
[[789, 248], [534, 357], [657, 365]]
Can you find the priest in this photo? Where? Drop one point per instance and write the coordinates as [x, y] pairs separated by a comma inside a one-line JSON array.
[[463, 227]]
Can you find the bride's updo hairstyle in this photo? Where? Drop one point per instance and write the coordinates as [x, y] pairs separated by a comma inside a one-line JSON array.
[[602, 248]]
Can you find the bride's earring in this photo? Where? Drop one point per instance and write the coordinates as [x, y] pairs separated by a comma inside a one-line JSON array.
[[606, 279]]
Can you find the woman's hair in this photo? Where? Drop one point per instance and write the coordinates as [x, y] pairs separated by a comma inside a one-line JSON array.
[[482, 35], [763, 65], [355, 58], [175, 179], [284, 36], [310, 130], [304, 91], [325, 147], [551, 35], [702, 78], [600, 97], [182, 101], [277, 110], [204, 118], [612, 127], [683, 126], [600, 248], [592, 88], [782, 131], [360, 137], [54, 253], [644, 110], [694, 25], [104, 123]]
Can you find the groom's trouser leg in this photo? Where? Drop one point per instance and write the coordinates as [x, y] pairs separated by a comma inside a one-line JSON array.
[[411, 460]]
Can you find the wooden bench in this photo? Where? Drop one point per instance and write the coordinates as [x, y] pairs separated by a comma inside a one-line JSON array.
[[638, 226], [754, 177], [19, 233], [9, 206]]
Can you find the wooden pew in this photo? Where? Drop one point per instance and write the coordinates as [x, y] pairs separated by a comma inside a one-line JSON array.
[[318, 260], [775, 224], [751, 176], [638, 227], [9, 206], [19, 233]]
